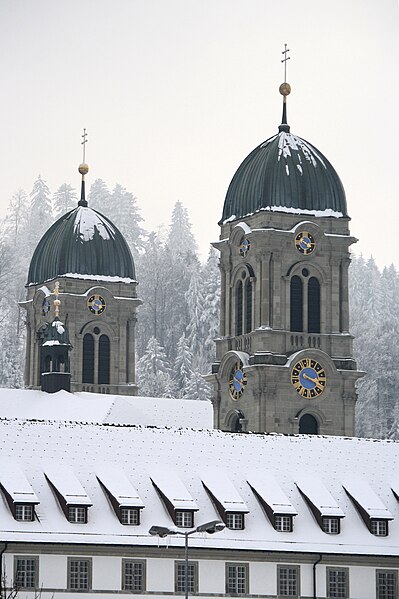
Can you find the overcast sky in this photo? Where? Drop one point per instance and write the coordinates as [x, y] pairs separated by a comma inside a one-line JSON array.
[[175, 93]]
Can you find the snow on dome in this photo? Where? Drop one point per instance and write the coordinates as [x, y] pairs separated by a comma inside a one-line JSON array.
[[286, 174], [88, 224]]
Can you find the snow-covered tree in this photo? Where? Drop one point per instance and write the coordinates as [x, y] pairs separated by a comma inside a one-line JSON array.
[[198, 388], [210, 316], [65, 199], [195, 306], [17, 217], [153, 372], [183, 368], [99, 197], [41, 216], [124, 212]]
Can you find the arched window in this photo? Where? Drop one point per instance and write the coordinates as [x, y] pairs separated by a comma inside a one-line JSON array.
[[239, 308], [308, 425], [236, 422], [103, 360], [296, 304], [248, 306], [313, 305], [88, 359]]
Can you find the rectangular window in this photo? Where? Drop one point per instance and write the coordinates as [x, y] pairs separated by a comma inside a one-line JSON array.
[[133, 576], [24, 511], [79, 574], [77, 514], [283, 523], [184, 519], [130, 516], [337, 583], [26, 572], [180, 577], [237, 579], [379, 528], [288, 581], [331, 525], [235, 520], [387, 584]]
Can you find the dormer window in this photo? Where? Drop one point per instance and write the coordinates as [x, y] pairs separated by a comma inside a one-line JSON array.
[[130, 516], [25, 512], [283, 523], [235, 520], [184, 519], [331, 525], [77, 514], [379, 528]]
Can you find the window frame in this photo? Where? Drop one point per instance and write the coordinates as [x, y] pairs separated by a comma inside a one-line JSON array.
[[331, 520], [237, 517], [77, 520], [35, 559], [385, 572], [143, 575], [376, 523], [288, 517], [330, 570], [129, 509], [235, 566], [297, 570], [181, 516], [191, 590], [23, 506], [80, 560]]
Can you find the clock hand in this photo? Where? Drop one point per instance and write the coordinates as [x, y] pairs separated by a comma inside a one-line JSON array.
[[309, 378]]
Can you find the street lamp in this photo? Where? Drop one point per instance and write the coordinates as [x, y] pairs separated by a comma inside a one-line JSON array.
[[164, 531]]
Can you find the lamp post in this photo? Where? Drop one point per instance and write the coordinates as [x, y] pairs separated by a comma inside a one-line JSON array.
[[164, 531]]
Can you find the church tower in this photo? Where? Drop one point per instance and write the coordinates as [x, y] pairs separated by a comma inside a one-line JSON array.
[[284, 355], [87, 255]]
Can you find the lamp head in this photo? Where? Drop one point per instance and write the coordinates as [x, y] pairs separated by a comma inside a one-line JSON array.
[[161, 531], [211, 527]]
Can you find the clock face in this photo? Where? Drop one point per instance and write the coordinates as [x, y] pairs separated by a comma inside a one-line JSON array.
[[45, 306], [245, 247], [96, 304], [305, 243], [237, 381], [309, 378]]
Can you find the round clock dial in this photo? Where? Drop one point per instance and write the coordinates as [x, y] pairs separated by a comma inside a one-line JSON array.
[[245, 247], [305, 243], [96, 304], [237, 381], [45, 306], [308, 378]]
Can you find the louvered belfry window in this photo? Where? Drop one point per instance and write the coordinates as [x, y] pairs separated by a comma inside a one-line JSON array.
[[104, 354], [88, 359], [296, 305], [313, 305]]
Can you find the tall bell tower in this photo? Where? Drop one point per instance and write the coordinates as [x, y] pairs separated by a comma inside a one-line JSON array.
[[285, 354]]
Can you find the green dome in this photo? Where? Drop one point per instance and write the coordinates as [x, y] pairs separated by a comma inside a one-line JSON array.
[[285, 174], [82, 244]]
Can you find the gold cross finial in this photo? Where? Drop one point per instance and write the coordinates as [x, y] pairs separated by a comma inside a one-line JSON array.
[[57, 302], [285, 51], [84, 142]]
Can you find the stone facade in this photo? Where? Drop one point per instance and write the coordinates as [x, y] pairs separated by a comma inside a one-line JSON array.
[[265, 345], [117, 322]]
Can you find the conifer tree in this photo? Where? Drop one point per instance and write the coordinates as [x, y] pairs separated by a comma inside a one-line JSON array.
[[41, 216], [153, 372], [124, 212], [183, 368], [99, 197], [65, 199]]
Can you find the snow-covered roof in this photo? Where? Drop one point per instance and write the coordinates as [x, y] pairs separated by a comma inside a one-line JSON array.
[[193, 454], [103, 408], [266, 486], [315, 491], [15, 483], [65, 481], [360, 490], [118, 485], [223, 490], [170, 485]]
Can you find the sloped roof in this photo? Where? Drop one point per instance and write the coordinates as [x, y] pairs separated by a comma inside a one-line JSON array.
[[139, 451]]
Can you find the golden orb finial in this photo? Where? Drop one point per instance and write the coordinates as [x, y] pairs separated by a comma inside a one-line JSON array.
[[285, 89], [83, 168]]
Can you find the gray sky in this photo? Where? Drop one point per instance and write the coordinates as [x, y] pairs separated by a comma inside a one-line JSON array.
[[175, 93]]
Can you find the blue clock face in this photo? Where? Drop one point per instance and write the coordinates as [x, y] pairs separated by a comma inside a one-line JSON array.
[[308, 378], [305, 243], [96, 304], [237, 381], [244, 247]]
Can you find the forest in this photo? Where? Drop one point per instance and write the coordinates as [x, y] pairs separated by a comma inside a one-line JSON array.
[[180, 313]]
